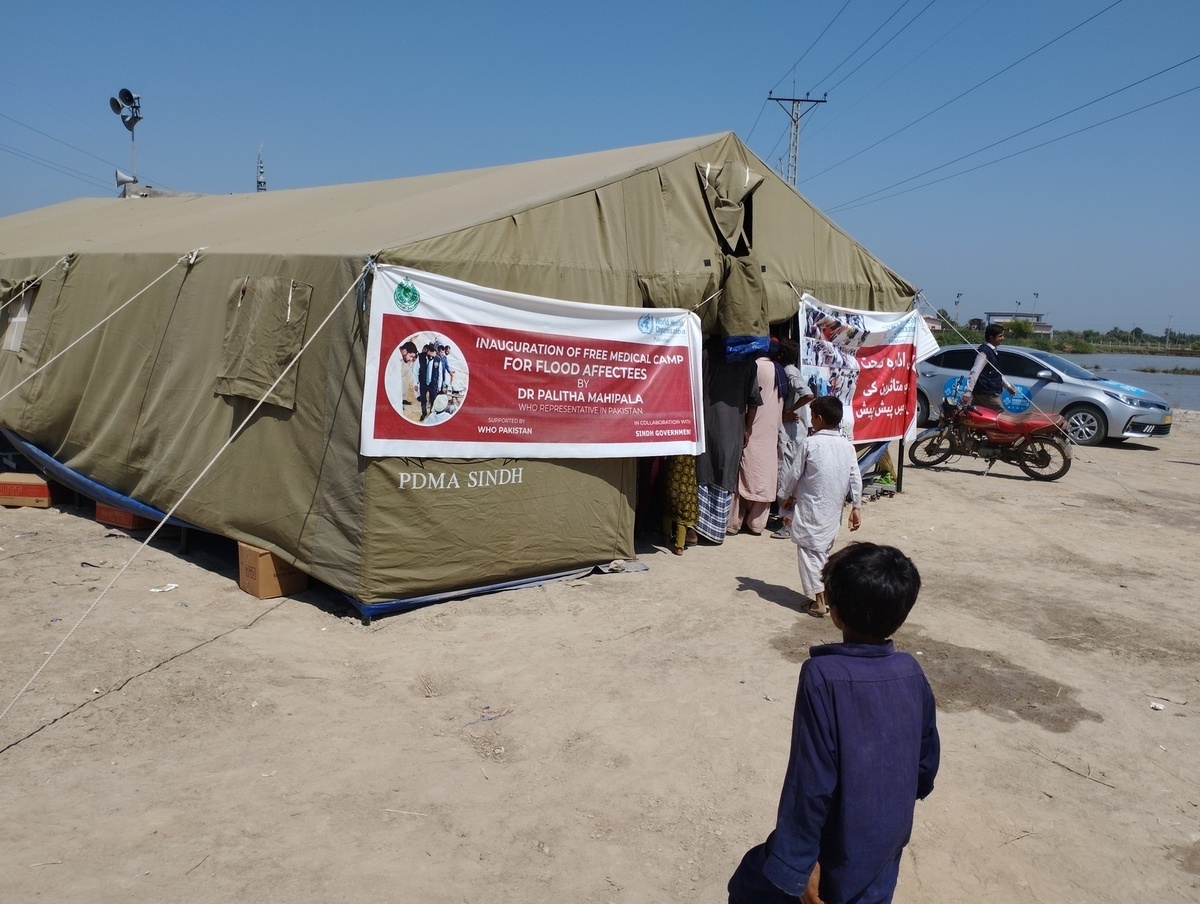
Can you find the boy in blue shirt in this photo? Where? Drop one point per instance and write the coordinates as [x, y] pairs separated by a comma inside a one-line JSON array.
[[864, 748]]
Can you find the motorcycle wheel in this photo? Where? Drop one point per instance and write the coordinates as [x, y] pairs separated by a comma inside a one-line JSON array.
[[1045, 459], [930, 451]]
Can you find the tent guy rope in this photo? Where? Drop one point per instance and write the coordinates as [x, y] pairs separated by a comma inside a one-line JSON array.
[[36, 281], [234, 434], [190, 258], [698, 305]]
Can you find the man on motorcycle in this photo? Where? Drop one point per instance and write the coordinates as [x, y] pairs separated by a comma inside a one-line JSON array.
[[985, 380]]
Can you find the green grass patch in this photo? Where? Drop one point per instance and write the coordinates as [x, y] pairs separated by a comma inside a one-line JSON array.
[[1187, 371]]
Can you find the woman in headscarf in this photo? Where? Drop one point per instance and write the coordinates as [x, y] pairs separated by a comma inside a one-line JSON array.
[[758, 476]]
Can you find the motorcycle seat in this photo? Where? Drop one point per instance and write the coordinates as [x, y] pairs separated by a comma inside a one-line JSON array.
[[1023, 422]]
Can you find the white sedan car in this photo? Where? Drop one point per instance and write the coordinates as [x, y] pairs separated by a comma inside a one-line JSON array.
[[1095, 409]]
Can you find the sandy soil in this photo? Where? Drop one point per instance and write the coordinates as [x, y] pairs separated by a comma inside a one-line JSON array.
[[615, 739]]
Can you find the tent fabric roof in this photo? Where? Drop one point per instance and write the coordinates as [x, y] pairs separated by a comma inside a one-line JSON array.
[[352, 220]]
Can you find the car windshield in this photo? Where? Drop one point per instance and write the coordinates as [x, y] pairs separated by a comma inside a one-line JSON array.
[[1067, 367]]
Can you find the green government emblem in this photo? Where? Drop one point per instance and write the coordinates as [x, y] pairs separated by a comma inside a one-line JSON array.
[[407, 297]]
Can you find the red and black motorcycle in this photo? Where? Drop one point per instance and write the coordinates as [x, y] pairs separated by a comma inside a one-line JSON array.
[[1034, 442]]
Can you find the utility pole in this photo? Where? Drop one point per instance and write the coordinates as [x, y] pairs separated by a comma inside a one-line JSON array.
[[796, 111], [957, 299], [1168, 337]]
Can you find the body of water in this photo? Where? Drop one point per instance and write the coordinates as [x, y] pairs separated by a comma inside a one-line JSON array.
[[1181, 390]]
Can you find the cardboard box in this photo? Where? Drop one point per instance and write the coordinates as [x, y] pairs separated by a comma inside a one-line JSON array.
[[34, 490], [263, 574], [115, 517]]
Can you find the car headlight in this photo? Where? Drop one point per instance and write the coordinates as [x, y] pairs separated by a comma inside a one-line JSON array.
[[1131, 401]]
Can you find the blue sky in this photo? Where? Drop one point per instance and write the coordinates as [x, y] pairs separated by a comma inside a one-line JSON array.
[[1102, 224]]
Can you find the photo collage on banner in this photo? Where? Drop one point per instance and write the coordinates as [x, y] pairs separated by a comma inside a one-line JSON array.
[[867, 359]]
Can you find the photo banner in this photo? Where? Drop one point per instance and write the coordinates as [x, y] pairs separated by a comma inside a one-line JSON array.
[[456, 370], [867, 359]]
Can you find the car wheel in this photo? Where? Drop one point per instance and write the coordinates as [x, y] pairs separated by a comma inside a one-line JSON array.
[[1085, 425], [922, 409]]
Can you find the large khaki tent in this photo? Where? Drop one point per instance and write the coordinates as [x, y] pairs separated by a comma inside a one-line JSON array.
[[139, 333]]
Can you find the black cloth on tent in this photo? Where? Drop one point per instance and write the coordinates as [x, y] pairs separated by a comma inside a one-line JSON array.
[[730, 387]]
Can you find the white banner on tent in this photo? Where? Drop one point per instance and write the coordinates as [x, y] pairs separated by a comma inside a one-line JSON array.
[[456, 370], [867, 359]]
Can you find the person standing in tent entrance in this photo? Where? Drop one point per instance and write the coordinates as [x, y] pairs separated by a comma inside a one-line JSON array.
[[794, 416], [985, 380], [823, 475], [758, 473], [730, 390], [681, 512]]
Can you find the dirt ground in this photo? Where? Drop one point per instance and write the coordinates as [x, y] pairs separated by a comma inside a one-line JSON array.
[[620, 738]]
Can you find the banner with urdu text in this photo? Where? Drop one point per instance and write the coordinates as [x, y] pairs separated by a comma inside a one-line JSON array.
[[456, 370], [867, 359]]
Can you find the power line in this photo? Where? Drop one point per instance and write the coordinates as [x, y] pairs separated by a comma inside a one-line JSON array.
[[59, 140], [828, 121], [849, 205], [968, 91], [796, 112], [779, 141], [1045, 122], [48, 164], [885, 44], [35, 159], [867, 39], [811, 46], [756, 119]]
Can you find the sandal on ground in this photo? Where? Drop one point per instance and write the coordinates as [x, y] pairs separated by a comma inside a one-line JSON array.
[[815, 611], [678, 550], [691, 539]]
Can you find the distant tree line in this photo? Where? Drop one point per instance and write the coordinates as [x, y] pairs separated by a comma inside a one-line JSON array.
[[1079, 342]]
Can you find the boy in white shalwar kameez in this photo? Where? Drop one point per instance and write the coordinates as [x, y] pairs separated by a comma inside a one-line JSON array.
[[823, 475]]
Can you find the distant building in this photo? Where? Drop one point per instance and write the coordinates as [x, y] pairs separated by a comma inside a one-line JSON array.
[[933, 322], [1040, 328]]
